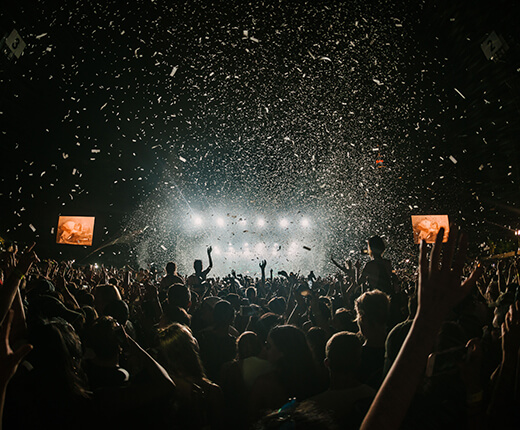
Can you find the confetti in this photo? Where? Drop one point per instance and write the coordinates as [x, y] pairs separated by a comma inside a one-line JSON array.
[[460, 94]]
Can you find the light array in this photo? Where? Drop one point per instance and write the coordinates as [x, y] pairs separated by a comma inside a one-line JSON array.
[[260, 222]]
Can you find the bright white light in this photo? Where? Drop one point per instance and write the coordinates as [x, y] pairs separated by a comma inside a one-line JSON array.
[[284, 223], [260, 247], [197, 220], [260, 222], [246, 244], [242, 222], [220, 222], [305, 222], [216, 250], [293, 248]]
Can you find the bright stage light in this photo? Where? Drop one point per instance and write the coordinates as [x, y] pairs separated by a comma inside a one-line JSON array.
[[305, 222], [260, 222], [220, 222], [284, 223], [293, 248], [197, 220], [216, 250]]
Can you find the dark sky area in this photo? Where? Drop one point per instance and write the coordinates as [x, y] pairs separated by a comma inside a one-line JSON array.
[[143, 113]]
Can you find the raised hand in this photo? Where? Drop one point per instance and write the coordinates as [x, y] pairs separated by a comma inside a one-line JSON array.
[[263, 265], [440, 286], [511, 332], [26, 260], [210, 249]]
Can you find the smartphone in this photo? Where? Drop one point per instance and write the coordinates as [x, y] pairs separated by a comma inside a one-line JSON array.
[[445, 361]]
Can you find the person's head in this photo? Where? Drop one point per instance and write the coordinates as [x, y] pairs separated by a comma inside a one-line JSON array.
[[118, 309], [223, 314], [251, 294], [287, 342], [179, 352], [343, 353], [56, 357], [103, 295], [277, 305], [317, 339], [288, 350], [197, 265], [234, 299], [345, 320], [372, 309], [171, 268], [264, 324], [376, 246], [104, 338], [179, 295], [248, 345], [325, 306]]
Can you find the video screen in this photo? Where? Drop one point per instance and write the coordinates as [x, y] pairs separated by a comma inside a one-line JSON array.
[[75, 230], [426, 227]]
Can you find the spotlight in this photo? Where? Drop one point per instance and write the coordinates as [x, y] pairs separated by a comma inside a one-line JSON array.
[[260, 222], [197, 220], [305, 223], [220, 222], [284, 223], [216, 250]]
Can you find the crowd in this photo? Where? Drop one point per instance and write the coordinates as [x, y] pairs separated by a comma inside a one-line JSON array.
[[367, 347]]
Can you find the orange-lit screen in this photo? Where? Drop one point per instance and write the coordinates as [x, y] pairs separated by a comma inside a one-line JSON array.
[[75, 230], [426, 227]]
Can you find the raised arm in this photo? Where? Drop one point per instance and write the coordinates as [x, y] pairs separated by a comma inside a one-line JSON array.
[[440, 289], [339, 266], [210, 265], [17, 270]]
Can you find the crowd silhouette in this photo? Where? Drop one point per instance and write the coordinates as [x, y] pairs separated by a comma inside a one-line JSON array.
[[367, 347]]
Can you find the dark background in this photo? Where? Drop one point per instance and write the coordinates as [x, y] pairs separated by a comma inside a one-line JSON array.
[[276, 107]]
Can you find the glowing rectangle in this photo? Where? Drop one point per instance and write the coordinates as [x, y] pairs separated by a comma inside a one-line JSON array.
[[75, 230], [426, 227]]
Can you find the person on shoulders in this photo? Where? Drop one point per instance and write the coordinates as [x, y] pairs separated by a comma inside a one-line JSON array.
[[378, 271]]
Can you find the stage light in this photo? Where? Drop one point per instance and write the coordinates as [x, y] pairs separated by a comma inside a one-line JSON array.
[[220, 222], [260, 222], [197, 220], [216, 250], [305, 222], [284, 223], [260, 248], [293, 248]]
